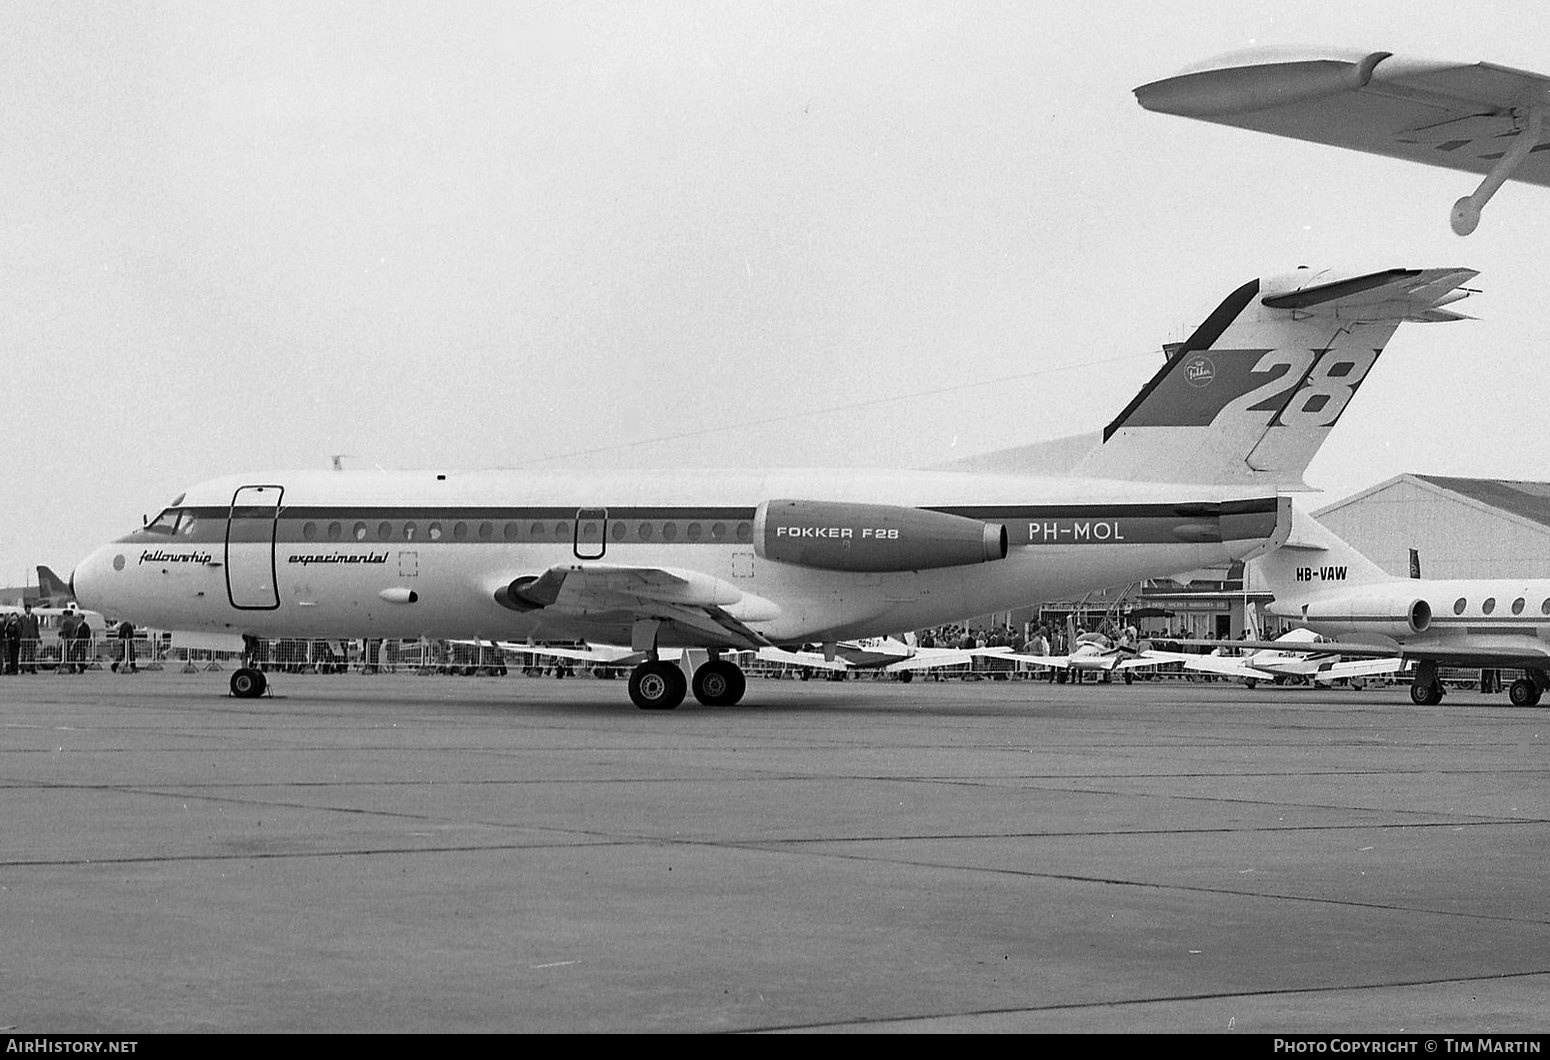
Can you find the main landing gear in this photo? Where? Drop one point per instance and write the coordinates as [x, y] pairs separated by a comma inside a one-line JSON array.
[[1526, 690], [1425, 689], [658, 685], [248, 683]]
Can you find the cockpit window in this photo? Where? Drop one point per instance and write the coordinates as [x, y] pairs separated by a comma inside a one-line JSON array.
[[165, 523]]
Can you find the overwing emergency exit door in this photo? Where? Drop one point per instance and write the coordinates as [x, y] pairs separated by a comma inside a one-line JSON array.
[[250, 548]]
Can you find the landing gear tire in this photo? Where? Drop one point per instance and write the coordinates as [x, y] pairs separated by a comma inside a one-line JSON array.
[[1424, 694], [1129, 677], [657, 686], [1523, 693], [719, 684], [248, 683], [905, 676]]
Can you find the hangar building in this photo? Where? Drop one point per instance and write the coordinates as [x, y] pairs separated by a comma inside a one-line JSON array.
[[1462, 527]]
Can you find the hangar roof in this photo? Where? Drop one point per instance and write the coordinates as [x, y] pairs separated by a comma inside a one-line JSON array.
[[1529, 500], [1526, 500]]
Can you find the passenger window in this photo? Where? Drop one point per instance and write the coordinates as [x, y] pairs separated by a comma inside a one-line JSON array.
[[694, 531], [718, 530], [360, 531], [1517, 606], [561, 531], [435, 531], [335, 531], [1489, 605], [669, 531], [1459, 605], [619, 531], [384, 531], [309, 531], [644, 530], [536, 531], [744, 532], [409, 531], [1544, 608], [512, 531]]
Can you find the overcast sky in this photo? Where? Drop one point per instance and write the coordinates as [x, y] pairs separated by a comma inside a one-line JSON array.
[[254, 235]]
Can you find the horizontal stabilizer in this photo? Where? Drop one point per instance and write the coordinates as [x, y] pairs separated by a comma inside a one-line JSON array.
[[1393, 296]]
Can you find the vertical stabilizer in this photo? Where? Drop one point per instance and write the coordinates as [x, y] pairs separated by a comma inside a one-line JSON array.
[[1312, 562]]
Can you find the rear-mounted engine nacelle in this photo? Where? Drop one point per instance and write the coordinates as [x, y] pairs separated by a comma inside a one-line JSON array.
[[871, 538], [1380, 613]]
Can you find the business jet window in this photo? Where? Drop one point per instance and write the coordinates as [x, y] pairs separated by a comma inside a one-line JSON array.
[[644, 531], [744, 532], [561, 531], [1459, 605], [536, 531], [1544, 608], [360, 531], [512, 531], [384, 531], [718, 531], [1489, 605], [409, 531], [335, 531], [619, 531], [669, 531], [460, 531], [695, 530], [309, 531], [434, 531], [1517, 606]]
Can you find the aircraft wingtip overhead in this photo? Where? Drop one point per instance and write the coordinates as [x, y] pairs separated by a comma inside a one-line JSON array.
[[1257, 79]]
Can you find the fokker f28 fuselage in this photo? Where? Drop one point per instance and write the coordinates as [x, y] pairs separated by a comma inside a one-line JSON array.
[[404, 554]]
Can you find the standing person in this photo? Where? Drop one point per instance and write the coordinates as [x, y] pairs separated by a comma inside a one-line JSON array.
[[29, 645], [10, 642], [126, 653], [82, 644], [67, 623]]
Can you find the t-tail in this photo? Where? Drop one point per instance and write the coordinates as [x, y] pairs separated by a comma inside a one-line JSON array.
[[52, 590], [1254, 392]]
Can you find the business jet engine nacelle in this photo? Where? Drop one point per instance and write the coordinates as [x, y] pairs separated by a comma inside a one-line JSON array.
[[871, 538], [1379, 611]]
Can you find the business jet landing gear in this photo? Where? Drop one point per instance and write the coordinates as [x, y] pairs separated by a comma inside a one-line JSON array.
[[719, 683], [1524, 693], [248, 683], [657, 685], [1425, 689]]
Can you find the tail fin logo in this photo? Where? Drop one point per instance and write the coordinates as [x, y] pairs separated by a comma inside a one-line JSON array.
[[1200, 372]]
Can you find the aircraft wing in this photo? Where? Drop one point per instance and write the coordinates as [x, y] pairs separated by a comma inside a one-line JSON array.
[[1222, 665], [930, 658], [1476, 117], [608, 654], [708, 606], [1359, 668]]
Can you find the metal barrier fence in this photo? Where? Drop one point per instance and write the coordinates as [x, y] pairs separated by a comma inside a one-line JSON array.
[[150, 650]]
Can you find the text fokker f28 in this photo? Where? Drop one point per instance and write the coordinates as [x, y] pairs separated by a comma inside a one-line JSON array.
[[1187, 476]]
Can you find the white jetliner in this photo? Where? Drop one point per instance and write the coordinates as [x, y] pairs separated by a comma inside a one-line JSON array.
[[1495, 623], [1476, 117], [1300, 655], [728, 560]]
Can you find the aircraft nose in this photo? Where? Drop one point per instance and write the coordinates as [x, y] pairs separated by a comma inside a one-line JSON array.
[[89, 581]]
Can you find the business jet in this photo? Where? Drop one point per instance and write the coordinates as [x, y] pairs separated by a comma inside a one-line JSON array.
[[1299, 656], [742, 560], [1475, 117], [1326, 585]]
